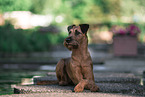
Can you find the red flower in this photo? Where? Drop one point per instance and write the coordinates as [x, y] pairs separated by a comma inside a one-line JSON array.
[[130, 30], [133, 30], [122, 31]]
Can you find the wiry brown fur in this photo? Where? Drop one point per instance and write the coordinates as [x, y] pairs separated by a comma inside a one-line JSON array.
[[78, 69]]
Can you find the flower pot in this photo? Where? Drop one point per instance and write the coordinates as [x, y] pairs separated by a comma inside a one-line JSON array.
[[125, 45]]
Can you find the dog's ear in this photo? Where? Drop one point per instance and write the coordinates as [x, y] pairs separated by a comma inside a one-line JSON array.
[[70, 27], [84, 28]]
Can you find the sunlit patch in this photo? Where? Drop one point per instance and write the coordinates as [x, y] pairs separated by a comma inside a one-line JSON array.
[[27, 81], [59, 19], [26, 20]]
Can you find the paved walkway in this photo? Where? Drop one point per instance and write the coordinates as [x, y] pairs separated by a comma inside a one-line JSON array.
[[68, 95], [112, 83], [117, 77]]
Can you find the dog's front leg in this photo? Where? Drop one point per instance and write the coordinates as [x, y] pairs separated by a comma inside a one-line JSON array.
[[88, 84], [89, 78], [75, 74], [80, 86]]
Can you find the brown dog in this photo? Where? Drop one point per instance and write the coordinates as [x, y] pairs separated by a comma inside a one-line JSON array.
[[78, 69]]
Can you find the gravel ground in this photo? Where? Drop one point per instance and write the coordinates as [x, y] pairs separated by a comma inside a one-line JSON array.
[[68, 95]]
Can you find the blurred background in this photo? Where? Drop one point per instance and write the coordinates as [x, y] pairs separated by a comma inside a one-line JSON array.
[[32, 34]]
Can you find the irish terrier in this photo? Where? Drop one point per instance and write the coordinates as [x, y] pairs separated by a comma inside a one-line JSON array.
[[78, 69]]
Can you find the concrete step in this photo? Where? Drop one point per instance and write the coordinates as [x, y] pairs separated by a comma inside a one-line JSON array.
[[124, 83], [67, 95], [112, 77], [129, 89], [106, 77]]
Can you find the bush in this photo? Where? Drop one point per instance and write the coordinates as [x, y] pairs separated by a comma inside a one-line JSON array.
[[18, 40]]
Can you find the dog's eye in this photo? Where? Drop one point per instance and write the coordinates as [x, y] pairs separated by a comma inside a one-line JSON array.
[[69, 32], [77, 33]]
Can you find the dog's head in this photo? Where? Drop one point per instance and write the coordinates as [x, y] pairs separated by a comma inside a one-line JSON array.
[[76, 35]]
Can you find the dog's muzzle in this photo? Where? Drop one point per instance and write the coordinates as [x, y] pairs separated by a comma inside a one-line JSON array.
[[68, 40], [70, 43]]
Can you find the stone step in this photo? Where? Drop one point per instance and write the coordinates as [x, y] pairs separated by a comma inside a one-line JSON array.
[[124, 83], [129, 89], [91, 94], [99, 78]]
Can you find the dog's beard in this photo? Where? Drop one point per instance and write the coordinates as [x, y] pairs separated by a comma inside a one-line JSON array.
[[70, 46]]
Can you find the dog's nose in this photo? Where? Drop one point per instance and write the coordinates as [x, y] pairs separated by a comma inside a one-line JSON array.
[[69, 39]]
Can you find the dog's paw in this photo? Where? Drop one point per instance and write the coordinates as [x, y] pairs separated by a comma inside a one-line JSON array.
[[79, 88], [94, 88]]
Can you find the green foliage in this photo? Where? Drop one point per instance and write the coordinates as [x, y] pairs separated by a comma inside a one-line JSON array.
[[129, 7], [18, 40], [132, 7], [15, 5], [142, 28], [77, 11], [90, 11], [82, 11], [37, 6]]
